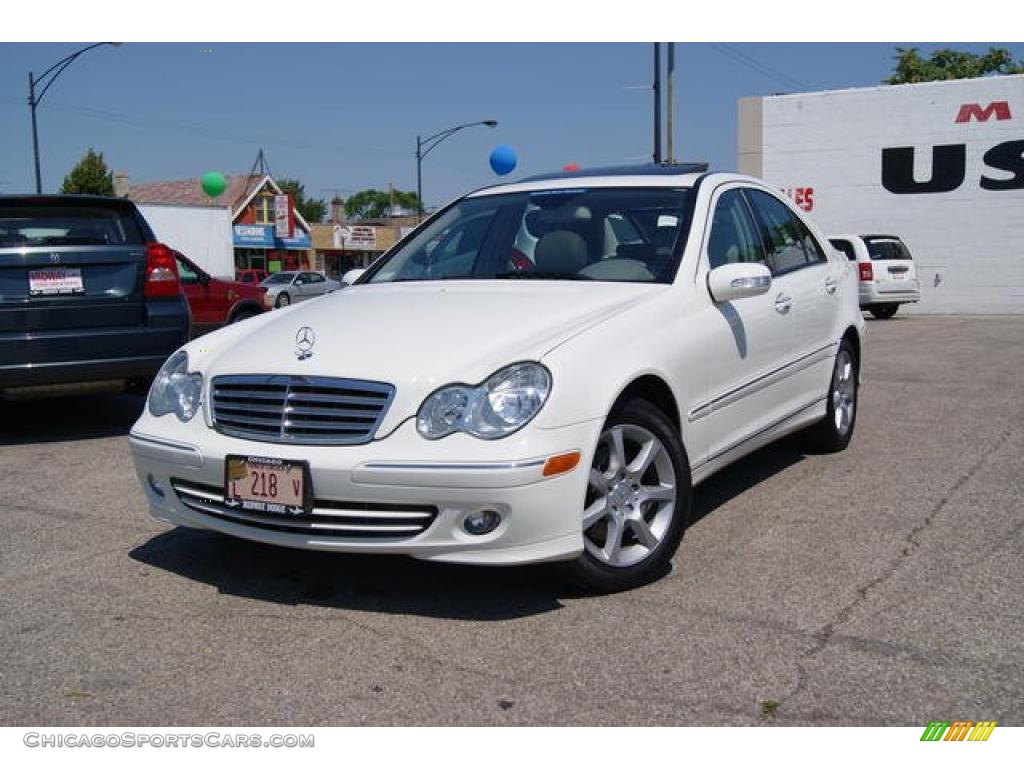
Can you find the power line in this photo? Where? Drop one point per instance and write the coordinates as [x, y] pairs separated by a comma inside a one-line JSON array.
[[759, 66], [214, 133], [220, 134]]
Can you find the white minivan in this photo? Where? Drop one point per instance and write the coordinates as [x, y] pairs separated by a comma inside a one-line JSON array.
[[885, 271]]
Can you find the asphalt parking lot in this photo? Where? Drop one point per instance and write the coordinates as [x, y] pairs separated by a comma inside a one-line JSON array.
[[881, 586]]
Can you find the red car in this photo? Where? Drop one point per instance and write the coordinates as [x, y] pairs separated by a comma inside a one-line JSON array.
[[216, 302], [251, 276]]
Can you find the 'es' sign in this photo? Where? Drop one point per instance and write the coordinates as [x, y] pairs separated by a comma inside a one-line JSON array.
[[949, 161], [802, 196]]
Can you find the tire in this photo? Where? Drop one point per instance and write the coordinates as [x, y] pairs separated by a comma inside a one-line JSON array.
[[833, 433], [883, 311], [245, 314], [647, 531], [283, 300]]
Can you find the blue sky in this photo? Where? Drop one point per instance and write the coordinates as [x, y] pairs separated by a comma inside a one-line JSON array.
[[345, 116]]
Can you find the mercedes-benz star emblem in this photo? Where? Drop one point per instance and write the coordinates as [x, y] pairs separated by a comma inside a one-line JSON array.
[[305, 338]]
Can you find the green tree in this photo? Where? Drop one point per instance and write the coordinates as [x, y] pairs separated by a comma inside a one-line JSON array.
[[312, 209], [375, 204], [90, 177], [948, 64]]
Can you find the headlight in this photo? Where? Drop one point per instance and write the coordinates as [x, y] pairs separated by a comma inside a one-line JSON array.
[[496, 408], [175, 390]]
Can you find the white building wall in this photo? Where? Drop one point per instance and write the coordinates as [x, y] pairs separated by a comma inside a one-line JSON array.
[[968, 242], [201, 233]]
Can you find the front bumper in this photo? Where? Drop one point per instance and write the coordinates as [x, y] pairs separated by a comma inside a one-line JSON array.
[[458, 475]]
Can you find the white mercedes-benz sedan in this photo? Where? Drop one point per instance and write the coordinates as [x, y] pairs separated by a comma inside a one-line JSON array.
[[541, 371]]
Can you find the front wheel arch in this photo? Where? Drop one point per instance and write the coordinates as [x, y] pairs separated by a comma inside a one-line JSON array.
[[654, 390]]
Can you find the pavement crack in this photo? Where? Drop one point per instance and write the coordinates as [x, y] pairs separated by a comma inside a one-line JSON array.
[[909, 543]]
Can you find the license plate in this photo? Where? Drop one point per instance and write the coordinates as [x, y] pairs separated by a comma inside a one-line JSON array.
[[267, 486], [898, 275], [62, 281]]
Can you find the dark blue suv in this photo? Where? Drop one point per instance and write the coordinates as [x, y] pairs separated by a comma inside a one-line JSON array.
[[89, 300]]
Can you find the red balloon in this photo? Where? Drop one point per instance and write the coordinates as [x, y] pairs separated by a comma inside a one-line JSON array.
[[571, 167]]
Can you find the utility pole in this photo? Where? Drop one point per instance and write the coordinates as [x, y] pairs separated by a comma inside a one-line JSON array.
[[670, 108], [657, 102]]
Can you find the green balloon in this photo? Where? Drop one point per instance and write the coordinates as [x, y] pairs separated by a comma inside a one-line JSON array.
[[214, 183]]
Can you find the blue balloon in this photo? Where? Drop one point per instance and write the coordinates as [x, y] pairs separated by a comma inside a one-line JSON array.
[[503, 159]]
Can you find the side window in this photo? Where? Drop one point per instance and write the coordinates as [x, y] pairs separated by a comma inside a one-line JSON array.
[[734, 238], [813, 250], [846, 247], [301, 280], [782, 233], [316, 277], [186, 273]]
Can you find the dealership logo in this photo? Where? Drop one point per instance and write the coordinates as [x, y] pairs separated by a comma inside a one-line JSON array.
[[958, 730], [305, 338], [949, 161], [999, 109]]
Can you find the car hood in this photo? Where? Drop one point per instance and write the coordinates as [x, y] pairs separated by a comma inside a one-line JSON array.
[[416, 336]]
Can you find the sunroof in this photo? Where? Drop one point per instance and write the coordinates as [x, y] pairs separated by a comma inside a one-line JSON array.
[[647, 169]]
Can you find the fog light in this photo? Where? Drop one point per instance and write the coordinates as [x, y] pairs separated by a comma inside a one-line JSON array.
[[154, 485], [479, 523]]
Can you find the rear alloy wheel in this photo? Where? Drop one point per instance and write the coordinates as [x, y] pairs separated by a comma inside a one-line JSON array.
[[883, 311], [833, 432], [283, 300], [637, 501]]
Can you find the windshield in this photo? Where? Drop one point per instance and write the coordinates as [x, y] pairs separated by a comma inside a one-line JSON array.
[[279, 278], [607, 234], [28, 225]]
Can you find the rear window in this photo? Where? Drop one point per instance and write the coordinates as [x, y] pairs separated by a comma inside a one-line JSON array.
[[28, 225], [846, 247], [886, 249]]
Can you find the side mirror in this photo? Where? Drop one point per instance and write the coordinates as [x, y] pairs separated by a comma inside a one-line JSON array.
[[737, 281], [351, 276], [204, 279]]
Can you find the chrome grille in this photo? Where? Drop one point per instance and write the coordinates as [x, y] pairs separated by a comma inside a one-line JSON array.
[[336, 519], [299, 409]]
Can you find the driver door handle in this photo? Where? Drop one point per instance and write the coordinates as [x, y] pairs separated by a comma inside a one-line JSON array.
[[831, 284], [782, 303]]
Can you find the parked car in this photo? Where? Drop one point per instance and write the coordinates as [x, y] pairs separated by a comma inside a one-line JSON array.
[[89, 300], [540, 373], [886, 271], [216, 302], [284, 288], [250, 276]]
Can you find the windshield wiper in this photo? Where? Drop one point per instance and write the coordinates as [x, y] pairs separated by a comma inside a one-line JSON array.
[[539, 276]]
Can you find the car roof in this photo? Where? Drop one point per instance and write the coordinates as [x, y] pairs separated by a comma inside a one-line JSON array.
[[649, 175], [843, 236]]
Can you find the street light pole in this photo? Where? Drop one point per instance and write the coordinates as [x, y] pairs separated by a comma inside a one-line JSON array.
[[35, 132], [423, 148], [419, 179], [33, 99]]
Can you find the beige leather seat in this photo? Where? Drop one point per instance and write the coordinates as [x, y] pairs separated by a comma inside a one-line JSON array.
[[560, 251]]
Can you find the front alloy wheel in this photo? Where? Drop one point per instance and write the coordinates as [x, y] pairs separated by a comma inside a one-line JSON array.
[[637, 501], [630, 496]]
